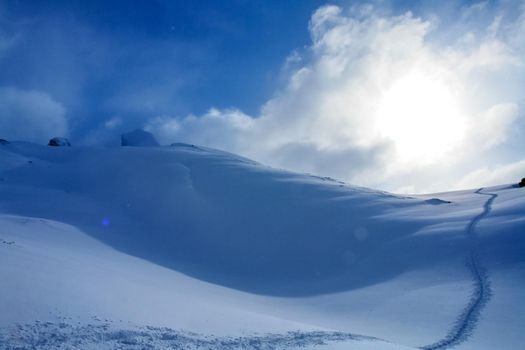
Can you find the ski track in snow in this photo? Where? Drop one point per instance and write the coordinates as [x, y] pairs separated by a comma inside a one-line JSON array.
[[468, 319]]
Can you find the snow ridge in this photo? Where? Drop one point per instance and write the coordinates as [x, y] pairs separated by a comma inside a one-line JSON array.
[[468, 319]]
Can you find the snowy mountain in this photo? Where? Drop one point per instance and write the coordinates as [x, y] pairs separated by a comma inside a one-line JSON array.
[[188, 247]]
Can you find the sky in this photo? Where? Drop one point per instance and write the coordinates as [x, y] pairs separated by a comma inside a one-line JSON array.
[[404, 96]]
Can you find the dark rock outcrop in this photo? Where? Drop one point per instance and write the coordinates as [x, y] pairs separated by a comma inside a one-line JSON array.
[[59, 142], [436, 201], [139, 138]]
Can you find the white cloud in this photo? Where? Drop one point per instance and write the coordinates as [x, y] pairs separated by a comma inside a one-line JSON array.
[[510, 173], [446, 105], [106, 134], [30, 116], [113, 123], [492, 126], [230, 129]]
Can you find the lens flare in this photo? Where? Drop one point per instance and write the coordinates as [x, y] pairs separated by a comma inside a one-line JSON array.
[[105, 222]]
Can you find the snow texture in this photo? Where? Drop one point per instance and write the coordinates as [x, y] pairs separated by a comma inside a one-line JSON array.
[[189, 247], [466, 322], [104, 335]]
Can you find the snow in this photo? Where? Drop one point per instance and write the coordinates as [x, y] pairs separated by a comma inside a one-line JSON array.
[[193, 247]]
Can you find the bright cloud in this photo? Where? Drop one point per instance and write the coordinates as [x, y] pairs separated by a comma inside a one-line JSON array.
[[491, 175], [378, 100], [30, 116]]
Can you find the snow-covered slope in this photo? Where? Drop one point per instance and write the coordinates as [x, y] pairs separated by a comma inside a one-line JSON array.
[[133, 239]]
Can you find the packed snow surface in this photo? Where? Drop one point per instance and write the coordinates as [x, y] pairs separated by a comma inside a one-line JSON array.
[[193, 248]]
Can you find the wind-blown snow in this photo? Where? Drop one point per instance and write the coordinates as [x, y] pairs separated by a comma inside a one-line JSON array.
[[144, 242]]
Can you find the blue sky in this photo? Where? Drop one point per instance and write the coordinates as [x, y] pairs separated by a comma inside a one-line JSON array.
[[251, 77], [198, 53]]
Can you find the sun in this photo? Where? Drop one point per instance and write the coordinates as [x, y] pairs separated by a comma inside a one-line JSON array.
[[421, 116]]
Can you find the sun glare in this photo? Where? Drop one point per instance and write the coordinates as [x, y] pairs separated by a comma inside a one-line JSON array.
[[420, 115]]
